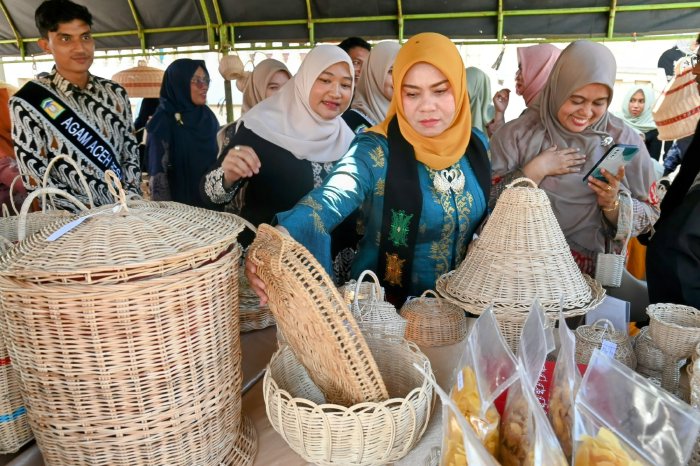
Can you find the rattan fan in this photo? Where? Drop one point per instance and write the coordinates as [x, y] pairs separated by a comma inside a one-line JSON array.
[[315, 321], [520, 256], [434, 321], [124, 331]]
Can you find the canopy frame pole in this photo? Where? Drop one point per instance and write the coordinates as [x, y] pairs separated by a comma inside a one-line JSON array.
[[18, 38]]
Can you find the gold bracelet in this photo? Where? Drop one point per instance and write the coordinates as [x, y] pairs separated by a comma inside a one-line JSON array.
[[613, 208]]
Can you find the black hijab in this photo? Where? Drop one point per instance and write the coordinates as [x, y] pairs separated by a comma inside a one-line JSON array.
[[189, 131]]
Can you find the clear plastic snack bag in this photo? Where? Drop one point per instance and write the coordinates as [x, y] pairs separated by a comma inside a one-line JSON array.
[[486, 369], [562, 393], [527, 437], [623, 419]]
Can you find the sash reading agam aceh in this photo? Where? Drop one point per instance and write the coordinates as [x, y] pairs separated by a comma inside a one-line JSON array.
[[71, 126]]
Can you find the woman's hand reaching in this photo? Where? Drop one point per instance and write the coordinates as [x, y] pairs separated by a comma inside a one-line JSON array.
[[240, 162], [554, 161]]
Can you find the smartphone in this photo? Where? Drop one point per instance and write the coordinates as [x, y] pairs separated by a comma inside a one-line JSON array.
[[617, 156]]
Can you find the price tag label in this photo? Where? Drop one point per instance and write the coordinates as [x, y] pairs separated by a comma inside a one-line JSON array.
[[460, 381], [608, 348]]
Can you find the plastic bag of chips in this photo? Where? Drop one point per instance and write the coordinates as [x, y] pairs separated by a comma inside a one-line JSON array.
[[562, 393], [624, 419], [526, 435], [486, 369]]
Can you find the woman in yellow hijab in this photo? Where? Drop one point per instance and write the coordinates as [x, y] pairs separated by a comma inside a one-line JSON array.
[[420, 177]]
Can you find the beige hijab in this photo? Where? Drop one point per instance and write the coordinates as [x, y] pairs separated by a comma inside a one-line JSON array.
[[519, 141], [287, 120], [255, 85], [369, 95]]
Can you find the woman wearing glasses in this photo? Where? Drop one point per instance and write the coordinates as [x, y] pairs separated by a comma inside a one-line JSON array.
[[287, 144], [182, 134]]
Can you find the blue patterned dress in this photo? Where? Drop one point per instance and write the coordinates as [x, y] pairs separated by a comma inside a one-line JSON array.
[[447, 224]]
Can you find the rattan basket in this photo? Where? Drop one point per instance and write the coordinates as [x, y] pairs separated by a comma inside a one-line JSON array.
[[521, 255], [14, 424], [375, 316], [253, 315], [649, 356], [591, 337], [123, 334], [434, 321], [675, 330], [363, 434], [315, 320], [141, 80]]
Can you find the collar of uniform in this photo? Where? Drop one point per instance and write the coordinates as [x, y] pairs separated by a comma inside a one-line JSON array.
[[67, 87]]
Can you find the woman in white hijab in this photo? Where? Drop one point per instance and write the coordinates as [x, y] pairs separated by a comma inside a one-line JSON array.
[[557, 142], [374, 88], [287, 144]]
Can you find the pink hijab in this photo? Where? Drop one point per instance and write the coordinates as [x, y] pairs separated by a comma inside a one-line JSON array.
[[536, 62]]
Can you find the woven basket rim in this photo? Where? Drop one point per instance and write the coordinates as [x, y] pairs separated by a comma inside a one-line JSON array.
[[653, 311], [477, 307], [357, 408]]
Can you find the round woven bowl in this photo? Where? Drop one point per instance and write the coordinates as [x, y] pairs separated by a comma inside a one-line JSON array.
[[674, 328], [590, 338], [434, 321], [364, 434]]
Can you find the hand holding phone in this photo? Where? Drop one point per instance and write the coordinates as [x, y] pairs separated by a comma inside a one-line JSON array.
[[617, 156]]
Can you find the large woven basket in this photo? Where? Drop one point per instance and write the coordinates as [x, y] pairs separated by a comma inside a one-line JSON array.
[[434, 321], [363, 434], [677, 110], [123, 333], [521, 255], [141, 80], [314, 320], [590, 338]]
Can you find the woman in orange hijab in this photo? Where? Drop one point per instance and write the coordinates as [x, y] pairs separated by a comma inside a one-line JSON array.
[[420, 176]]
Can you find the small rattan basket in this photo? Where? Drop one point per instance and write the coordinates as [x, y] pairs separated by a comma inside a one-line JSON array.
[[434, 321], [363, 434], [312, 315], [123, 334], [591, 337], [375, 316], [649, 356]]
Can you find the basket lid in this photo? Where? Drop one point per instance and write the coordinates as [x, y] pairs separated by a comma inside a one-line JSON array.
[[521, 255], [141, 80], [315, 321], [121, 242]]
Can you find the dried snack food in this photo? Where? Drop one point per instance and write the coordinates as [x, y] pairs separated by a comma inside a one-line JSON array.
[[603, 450]]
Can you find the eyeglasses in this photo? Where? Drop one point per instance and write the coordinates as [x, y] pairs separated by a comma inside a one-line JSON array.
[[200, 82]]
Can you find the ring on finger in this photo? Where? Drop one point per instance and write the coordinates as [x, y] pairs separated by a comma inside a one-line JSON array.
[[236, 147], [609, 188]]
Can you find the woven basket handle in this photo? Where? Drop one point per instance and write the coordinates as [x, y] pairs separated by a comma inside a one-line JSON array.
[[5, 211], [78, 170], [377, 289], [12, 191], [432, 292], [22, 219], [605, 324], [522, 179], [115, 188]]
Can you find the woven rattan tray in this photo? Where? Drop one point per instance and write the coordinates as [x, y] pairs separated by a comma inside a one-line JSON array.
[[315, 320]]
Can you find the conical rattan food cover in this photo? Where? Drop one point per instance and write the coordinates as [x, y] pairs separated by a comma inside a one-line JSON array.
[[520, 255], [124, 242], [141, 80]]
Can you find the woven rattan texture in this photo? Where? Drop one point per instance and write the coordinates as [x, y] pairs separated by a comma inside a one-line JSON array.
[[434, 321], [253, 315], [648, 354], [14, 424], [35, 222], [675, 111], [171, 238], [674, 328], [315, 321], [590, 337], [373, 314], [520, 255], [364, 434]]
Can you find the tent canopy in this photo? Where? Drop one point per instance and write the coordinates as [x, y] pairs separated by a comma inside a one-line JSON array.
[[216, 24]]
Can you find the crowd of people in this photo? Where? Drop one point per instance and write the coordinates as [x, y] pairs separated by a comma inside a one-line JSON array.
[[386, 157]]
